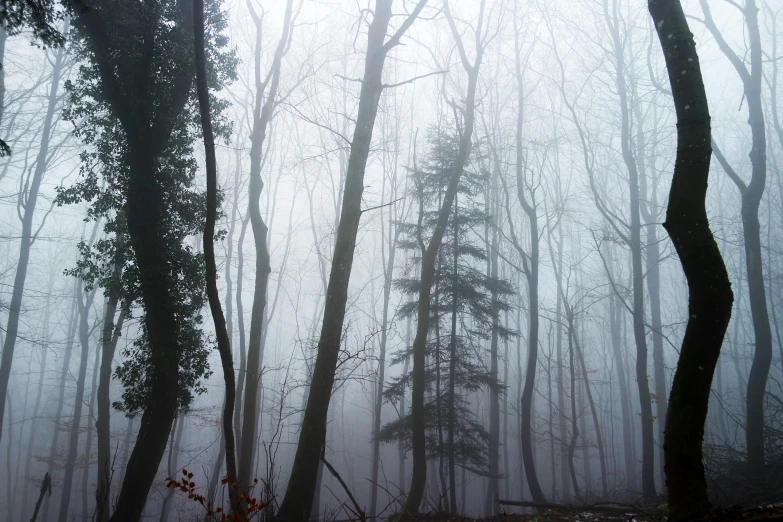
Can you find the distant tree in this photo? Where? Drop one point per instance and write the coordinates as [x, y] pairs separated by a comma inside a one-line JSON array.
[[751, 193]]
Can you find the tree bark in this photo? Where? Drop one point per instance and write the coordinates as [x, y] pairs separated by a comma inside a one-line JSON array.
[[710, 297]]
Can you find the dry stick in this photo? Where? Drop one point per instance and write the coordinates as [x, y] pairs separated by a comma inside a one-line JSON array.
[[45, 486], [359, 510]]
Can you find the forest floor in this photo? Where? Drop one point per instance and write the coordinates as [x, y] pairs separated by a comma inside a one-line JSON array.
[[748, 514]]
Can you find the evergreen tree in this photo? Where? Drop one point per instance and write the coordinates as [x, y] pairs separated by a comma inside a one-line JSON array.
[[462, 314]]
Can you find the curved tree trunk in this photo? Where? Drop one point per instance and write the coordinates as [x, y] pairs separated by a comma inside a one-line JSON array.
[[262, 116], [221, 332], [751, 199], [710, 299], [429, 256]]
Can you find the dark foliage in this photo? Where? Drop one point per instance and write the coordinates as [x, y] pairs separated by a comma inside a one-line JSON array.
[[103, 184]]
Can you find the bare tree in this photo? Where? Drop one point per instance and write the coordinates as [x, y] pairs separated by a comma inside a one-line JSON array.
[[298, 500], [28, 199], [710, 297], [751, 194], [263, 111]]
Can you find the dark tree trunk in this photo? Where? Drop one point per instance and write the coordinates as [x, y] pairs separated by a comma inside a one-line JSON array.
[[147, 134], [531, 268], [221, 332], [710, 299]]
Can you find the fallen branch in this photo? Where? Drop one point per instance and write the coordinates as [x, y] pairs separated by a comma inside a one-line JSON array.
[[359, 510], [600, 507]]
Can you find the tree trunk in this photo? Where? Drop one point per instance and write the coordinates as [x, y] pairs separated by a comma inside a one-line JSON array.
[[453, 366], [751, 199], [73, 321], [429, 256], [262, 116], [223, 340], [710, 299], [298, 499], [175, 446], [591, 402], [574, 429], [36, 407], [635, 246], [615, 313], [531, 272], [90, 432], [111, 335], [376, 448], [648, 207], [493, 486]]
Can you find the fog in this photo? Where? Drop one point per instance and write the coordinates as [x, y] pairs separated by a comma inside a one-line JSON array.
[[498, 169]]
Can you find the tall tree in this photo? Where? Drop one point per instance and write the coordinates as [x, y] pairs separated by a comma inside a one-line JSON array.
[[263, 111], [215, 307], [710, 297], [298, 500], [530, 264], [429, 255], [140, 73], [632, 237], [751, 194]]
